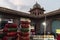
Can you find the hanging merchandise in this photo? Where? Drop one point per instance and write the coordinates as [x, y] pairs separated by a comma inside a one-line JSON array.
[[14, 25], [2, 34], [25, 38], [5, 29], [12, 29], [11, 34], [19, 33], [5, 38], [24, 22], [11, 25], [24, 34], [24, 29], [24, 25], [7, 25]]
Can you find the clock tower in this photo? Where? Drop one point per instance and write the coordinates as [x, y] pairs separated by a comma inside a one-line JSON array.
[[36, 10]]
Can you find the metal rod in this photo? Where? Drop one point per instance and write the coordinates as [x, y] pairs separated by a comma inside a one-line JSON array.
[[45, 26]]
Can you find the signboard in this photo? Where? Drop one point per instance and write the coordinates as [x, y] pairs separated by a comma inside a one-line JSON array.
[[43, 37], [58, 31]]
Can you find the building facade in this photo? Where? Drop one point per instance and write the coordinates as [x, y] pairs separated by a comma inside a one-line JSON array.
[[37, 17]]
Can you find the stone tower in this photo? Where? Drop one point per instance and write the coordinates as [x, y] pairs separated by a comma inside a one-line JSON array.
[[36, 10]]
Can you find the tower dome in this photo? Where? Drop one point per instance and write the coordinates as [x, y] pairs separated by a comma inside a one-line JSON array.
[[37, 9], [36, 5]]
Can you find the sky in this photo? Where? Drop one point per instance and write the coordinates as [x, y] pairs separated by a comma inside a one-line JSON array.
[[25, 5]]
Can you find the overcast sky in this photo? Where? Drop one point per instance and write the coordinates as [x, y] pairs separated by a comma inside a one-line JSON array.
[[25, 5]]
